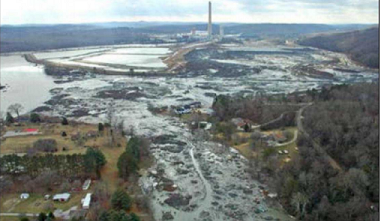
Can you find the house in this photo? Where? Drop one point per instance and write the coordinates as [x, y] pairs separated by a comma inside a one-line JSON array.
[[25, 132], [86, 184], [241, 123], [237, 121], [279, 137], [205, 125], [185, 109], [182, 110], [24, 196], [207, 111], [62, 197], [86, 201], [195, 105]]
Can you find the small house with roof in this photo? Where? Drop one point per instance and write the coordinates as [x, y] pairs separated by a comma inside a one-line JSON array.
[[62, 197]]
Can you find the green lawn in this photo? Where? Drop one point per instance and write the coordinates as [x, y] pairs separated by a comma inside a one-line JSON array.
[[36, 203]]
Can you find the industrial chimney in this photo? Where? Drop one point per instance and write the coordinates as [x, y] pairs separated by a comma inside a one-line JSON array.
[[209, 28]]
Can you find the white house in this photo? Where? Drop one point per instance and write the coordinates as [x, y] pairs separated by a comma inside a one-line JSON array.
[[62, 197], [86, 201], [24, 196]]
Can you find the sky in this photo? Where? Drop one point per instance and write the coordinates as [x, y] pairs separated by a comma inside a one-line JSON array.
[[242, 11]]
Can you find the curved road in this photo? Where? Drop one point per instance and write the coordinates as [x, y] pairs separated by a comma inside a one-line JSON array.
[[316, 146]]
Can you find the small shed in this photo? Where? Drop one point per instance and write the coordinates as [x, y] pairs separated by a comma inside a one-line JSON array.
[[62, 197], [24, 196]]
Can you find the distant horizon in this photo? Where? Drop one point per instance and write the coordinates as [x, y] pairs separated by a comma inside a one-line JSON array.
[[180, 22], [223, 11]]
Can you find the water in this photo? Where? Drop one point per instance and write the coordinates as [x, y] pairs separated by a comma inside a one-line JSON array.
[[26, 83]]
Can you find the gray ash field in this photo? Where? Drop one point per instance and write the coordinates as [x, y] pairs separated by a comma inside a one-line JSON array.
[[208, 186]]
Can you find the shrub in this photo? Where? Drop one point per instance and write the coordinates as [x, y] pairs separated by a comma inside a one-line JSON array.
[[34, 118], [120, 200], [45, 145], [65, 121], [100, 127], [9, 118], [42, 217], [268, 151]]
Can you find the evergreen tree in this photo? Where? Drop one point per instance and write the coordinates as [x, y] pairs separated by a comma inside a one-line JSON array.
[[94, 160], [51, 215], [133, 145], [100, 127], [34, 118], [9, 118], [65, 121], [120, 200], [134, 217], [42, 217], [126, 164], [103, 216]]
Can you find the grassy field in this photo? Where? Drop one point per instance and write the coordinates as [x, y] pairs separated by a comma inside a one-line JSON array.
[[9, 218], [36, 203], [49, 131], [245, 147], [109, 173]]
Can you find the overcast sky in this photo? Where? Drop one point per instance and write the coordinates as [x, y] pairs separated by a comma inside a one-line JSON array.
[[247, 11]]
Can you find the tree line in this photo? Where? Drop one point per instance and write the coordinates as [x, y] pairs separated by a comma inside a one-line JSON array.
[[74, 165], [344, 122], [137, 149]]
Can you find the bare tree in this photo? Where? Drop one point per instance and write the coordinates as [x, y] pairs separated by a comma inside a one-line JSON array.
[[110, 114], [119, 126], [16, 108], [299, 201], [111, 121]]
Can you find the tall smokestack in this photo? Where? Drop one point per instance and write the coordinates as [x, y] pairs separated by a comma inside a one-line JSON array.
[[209, 28]]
